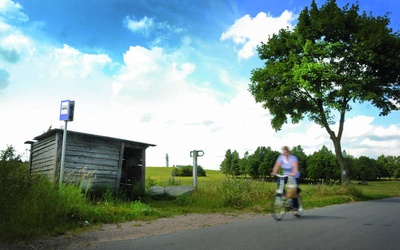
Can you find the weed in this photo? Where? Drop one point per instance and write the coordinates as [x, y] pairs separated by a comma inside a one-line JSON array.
[[184, 199], [235, 192], [172, 181]]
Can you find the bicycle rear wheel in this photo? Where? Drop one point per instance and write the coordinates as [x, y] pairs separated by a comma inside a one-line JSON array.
[[278, 208]]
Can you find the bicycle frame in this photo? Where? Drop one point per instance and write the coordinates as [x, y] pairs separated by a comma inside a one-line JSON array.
[[280, 204]]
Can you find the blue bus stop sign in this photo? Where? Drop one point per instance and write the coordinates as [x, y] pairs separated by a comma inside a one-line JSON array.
[[64, 110]]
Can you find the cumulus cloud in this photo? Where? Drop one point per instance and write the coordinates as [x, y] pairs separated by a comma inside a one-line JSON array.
[[150, 73], [247, 32], [71, 63], [12, 11], [154, 97], [13, 44], [362, 138]]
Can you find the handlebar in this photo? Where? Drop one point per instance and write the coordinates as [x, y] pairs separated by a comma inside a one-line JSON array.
[[282, 175]]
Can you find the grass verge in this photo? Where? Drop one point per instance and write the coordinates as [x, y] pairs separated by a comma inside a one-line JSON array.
[[30, 206]]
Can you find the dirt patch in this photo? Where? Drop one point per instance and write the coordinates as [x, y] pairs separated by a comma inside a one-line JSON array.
[[133, 230]]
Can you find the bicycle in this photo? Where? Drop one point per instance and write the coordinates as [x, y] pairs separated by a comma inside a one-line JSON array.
[[280, 204]]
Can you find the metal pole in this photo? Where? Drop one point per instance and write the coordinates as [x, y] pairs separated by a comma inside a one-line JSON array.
[[195, 168], [64, 143]]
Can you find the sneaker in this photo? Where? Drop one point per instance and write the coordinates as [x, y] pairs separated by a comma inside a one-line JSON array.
[[296, 213]]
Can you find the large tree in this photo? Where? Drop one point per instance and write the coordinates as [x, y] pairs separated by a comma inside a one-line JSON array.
[[334, 57]]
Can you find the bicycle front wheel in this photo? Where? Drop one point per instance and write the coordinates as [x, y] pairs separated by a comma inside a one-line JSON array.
[[278, 208]]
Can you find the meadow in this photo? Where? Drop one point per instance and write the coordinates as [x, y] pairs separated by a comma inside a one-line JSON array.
[[218, 193], [31, 206]]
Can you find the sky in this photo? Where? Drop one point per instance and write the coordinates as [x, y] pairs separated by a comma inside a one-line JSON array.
[[170, 73]]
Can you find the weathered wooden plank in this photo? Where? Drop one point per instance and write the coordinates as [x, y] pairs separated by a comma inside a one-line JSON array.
[[42, 158], [37, 153], [110, 149], [92, 142], [46, 170], [92, 154], [90, 161], [98, 181], [92, 172], [45, 159], [41, 164], [79, 166], [43, 145]]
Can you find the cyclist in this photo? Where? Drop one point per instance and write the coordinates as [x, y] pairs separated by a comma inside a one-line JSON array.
[[290, 166]]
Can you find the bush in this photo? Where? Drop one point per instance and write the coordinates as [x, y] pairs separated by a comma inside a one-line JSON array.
[[187, 171]]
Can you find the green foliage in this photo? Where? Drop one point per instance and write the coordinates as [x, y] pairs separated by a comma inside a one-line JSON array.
[[185, 199], [31, 206], [187, 171], [150, 182], [172, 181], [389, 166], [256, 165], [367, 169], [225, 166], [322, 165], [235, 192], [331, 59], [303, 158]]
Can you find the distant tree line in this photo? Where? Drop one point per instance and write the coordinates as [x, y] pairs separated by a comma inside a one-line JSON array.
[[321, 166]]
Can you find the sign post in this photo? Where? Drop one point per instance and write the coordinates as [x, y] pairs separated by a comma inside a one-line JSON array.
[[195, 154], [66, 114]]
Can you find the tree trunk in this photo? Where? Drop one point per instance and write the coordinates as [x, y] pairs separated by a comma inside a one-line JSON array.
[[344, 168]]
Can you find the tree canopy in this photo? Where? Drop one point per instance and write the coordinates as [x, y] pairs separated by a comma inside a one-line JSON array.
[[320, 166], [333, 58]]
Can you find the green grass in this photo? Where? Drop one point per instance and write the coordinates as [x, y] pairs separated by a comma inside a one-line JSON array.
[[216, 193], [30, 206]]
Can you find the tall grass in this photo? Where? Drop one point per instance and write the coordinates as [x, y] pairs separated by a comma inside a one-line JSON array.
[[31, 206], [217, 193]]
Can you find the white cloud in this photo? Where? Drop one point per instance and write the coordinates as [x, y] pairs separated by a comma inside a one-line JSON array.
[[12, 11], [360, 138], [13, 44], [143, 25], [249, 32], [155, 98], [146, 25], [71, 64], [358, 126]]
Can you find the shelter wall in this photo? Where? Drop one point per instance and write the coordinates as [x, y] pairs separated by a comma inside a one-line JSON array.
[[92, 160], [44, 157]]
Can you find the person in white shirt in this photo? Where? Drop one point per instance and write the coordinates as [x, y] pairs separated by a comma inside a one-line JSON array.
[[290, 166]]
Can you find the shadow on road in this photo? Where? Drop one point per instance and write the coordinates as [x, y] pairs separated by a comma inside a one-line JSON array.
[[320, 217]]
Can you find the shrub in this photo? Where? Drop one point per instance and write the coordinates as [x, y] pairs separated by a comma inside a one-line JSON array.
[[187, 171]]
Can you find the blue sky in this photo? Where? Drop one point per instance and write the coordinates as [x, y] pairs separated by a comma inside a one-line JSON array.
[[170, 73]]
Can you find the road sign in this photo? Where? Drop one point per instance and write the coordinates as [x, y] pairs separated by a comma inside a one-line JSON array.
[[67, 108]]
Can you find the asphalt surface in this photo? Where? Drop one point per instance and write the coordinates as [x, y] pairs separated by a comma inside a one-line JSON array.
[[362, 225]]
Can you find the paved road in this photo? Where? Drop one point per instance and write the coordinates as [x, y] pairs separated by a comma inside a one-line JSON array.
[[363, 225]]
